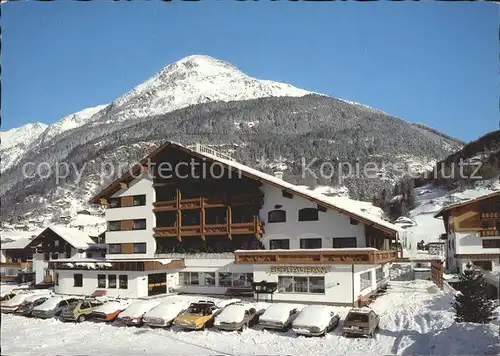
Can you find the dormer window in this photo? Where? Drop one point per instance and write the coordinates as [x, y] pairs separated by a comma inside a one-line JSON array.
[[276, 216], [308, 214]]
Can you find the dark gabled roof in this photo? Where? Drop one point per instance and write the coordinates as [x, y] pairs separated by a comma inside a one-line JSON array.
[[342, 205]]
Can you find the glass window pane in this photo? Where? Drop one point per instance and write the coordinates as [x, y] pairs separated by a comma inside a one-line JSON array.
[[300, 284], [365, 280], [317, 285], [285, 284], [208, 278], [225, 279], [195, 279], [239, 279]]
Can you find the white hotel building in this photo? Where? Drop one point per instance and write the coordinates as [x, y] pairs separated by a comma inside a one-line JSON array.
[[219, 233]]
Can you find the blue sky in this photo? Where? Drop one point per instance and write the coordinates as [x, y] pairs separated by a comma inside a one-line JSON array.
[[432, 63]]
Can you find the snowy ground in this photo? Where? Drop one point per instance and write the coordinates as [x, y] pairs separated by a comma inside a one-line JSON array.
[[415, 320]]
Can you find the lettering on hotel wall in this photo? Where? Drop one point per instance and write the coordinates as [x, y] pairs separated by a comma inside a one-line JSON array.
[[299, 269]]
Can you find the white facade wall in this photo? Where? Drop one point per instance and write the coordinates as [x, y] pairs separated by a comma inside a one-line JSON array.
[[139, 186], [329, 225], [471, 244]]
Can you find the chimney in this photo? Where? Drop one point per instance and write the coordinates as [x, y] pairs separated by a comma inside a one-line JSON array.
[[278, 174]]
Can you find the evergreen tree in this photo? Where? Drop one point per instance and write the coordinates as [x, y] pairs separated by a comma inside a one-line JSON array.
[[471, 304]]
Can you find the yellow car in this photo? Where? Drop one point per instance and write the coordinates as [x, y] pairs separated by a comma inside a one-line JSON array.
[[197, 316]]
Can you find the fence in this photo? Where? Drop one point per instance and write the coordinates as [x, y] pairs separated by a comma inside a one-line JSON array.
[[437, 270]]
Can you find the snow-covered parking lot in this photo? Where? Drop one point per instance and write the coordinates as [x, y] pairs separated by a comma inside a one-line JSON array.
[[416, 319]]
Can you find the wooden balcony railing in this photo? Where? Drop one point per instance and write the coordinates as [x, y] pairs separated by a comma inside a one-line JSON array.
[[320, 256], [20, 265], [486, 233], [253, 227], [492, 215], [206, 202]]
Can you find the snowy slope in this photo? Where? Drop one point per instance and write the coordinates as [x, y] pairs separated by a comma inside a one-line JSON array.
[[15, 141], [430, 200], [70, 121], [193, 80]]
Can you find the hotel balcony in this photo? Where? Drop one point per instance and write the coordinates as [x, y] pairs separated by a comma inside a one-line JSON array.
[[491, 215], [253, 227], [315, 256], [203, 202]]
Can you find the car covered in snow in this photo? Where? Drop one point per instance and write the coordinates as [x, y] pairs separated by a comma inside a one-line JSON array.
[[135, 312], [5, 296], [53, 306], [279, 316], [163, 315], [31, 302], [197, 316], [80, 310], [238, 316], [361, 321], [315, 320], [11, 305], [110, 310]]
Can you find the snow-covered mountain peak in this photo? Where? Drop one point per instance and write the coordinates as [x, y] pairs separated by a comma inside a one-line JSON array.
[[14, 142], [21, 135], [193, 80]]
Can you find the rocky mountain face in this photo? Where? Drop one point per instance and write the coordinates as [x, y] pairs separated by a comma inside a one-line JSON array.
[[201, 99]]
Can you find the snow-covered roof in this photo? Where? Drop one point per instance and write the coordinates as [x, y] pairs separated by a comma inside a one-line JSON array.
[[74, 237], [467, 202], [363, 211], [18, 244]]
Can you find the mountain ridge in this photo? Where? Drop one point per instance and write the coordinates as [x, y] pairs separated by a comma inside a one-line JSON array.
[[202, 99]]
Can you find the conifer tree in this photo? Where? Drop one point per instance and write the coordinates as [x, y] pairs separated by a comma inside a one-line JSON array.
[[471, 304]]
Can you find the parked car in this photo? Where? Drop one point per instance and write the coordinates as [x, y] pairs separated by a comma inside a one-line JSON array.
[[6, 296], [279, 316], [361, 321], [197, 316], [11, 305], [110, 310], [163, 315], [35, 300], [238, 316], [315, 320], [80, 310], [53, 307], [135, 312]]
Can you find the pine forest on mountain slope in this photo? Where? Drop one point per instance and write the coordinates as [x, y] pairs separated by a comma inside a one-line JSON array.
[[289, 127], [200, 99]]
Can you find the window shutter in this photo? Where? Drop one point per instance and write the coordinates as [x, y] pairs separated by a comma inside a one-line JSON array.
[[127, 201]]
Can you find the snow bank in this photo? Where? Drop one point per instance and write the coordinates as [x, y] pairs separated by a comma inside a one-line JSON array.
[[138, 308], [315, 315], [279, 312]]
